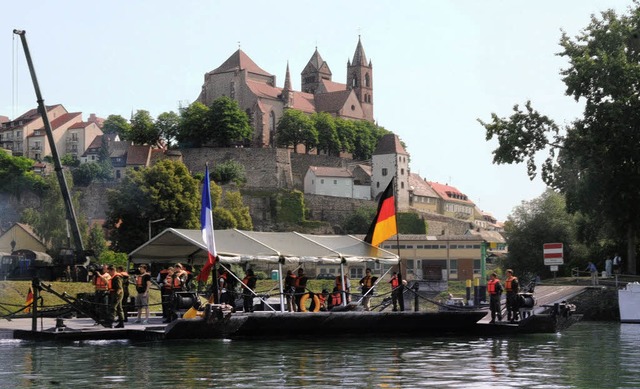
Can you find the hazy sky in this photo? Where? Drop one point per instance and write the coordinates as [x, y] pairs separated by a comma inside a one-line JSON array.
[[437, 65]]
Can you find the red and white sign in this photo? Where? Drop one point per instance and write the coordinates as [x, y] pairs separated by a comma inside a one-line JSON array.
[[553, 254]]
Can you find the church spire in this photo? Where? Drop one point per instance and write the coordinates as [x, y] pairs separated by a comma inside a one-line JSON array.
[[359, 57], [287, 79], [287, 91]]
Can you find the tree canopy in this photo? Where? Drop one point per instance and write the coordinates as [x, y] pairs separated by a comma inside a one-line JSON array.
[[17, 176], [594, 161], [539, 221], [116, 124], [294, 128], [164, 191], [229, 124]]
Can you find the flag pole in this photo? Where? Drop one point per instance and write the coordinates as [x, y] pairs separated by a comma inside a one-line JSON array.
[[400, 278]]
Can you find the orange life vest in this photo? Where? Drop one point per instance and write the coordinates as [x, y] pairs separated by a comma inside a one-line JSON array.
[[339, 283], [111, 282], [394, 282], [492, 286], [101, 283], [507, 283]]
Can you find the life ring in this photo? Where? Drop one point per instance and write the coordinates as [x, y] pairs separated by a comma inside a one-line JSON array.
[[315, 305]]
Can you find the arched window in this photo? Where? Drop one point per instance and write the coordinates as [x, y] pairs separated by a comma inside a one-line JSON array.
[[354, 80], [367, 81]]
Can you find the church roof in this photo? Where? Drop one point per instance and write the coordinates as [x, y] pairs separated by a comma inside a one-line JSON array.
[[359, 58], [332, 102], [389, 144], [316, 62], [331, 86], [240, 61], [301, 101]]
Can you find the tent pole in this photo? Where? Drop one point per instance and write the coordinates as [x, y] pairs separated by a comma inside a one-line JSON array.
[[280, 286]]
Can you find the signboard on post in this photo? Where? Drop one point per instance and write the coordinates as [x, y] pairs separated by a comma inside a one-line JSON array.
[[553, 254]]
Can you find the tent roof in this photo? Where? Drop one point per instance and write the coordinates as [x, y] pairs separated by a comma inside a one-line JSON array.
[[235, 246]]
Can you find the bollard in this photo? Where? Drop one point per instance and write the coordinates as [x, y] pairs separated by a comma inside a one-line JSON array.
[[476, 291], [415, 294], [468, 296]]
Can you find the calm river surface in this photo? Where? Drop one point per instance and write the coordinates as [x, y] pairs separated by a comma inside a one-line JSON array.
[[588, 355]]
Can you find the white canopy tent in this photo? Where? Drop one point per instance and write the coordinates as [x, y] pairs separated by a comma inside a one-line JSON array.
[[236, 246]]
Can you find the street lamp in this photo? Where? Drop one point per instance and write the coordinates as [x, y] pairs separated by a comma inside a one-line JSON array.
[[154, 221]]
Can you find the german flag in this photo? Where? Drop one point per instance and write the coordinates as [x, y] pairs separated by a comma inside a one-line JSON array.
[[29, 300], [384, 225]]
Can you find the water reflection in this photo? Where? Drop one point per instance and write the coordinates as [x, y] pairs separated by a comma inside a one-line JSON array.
[[588, 355]]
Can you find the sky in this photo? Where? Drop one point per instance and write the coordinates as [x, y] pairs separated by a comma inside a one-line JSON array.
[[438, 65]]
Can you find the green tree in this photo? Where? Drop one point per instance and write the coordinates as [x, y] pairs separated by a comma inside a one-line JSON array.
[[411, 223], [229, 124], [539, 221], [17, 176], [229, 171], [48, 219], [167, 125], [328, 139], [358, 222], [86, 173], [598, 155], [366, 137], [143, 129], [346, 130], [116, 124], [194, 125], [165, 190], [69, 160], [233, 203], [96, 241], [295, 128], [113, 258]]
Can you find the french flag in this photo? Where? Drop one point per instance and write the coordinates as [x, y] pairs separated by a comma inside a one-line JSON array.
[[206, 224]]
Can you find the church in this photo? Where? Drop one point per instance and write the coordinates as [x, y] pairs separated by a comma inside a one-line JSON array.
[[255, 90]]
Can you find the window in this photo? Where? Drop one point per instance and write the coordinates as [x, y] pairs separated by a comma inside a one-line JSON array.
[[313, 182], [410, 264], [322, 180], [453, 266], [402, 185], [335, 182], [367, 81], [377, 184], [402, 172], [384, 171]]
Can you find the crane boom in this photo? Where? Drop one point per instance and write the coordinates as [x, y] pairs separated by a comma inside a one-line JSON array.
[[70, 212]]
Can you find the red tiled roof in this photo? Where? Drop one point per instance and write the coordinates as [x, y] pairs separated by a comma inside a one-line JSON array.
[[81, 124], [332, 102], [324, 171], [138, 155], [332, 86], [260, 89], [420, 186], [64, 118], [449, 192], [304, 102], [389, 144], [240, 61]]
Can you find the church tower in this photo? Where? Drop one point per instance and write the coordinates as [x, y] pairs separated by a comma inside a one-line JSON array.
[[389, 160], [360, 79], [313, 74]]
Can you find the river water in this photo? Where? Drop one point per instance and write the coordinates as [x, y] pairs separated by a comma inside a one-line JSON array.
[[588, 355]]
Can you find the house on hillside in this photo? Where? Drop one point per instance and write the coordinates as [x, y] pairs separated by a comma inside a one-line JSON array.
[[454, 203], [421, 196], [255, 90], [14, 133], [335, 181]]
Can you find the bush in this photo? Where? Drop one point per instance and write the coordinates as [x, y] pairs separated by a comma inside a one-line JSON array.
[[229, 171]]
